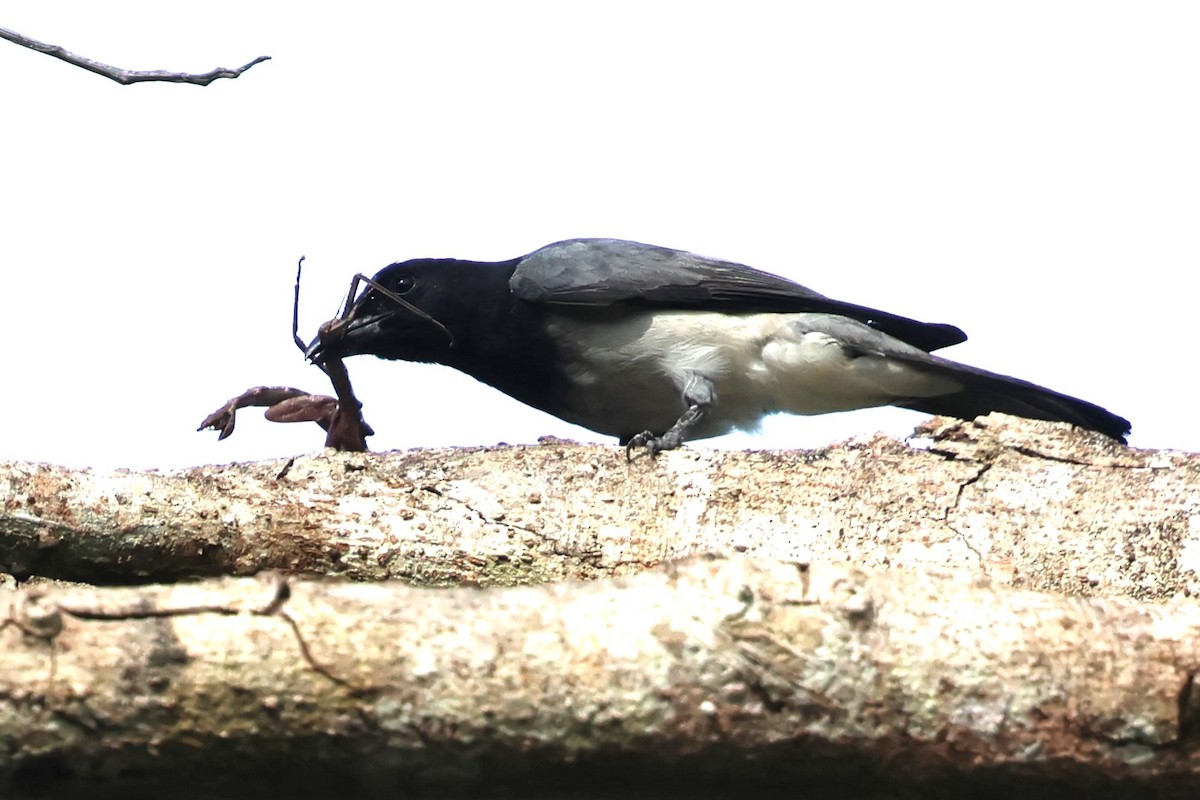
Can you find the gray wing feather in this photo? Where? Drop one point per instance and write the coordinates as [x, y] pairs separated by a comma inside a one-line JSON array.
[[605, 271], [611, 271]]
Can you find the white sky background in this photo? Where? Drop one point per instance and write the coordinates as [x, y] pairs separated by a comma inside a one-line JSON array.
[[1029, 171]]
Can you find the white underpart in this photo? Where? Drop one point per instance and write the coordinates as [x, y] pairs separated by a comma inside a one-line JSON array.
[[630, 374]]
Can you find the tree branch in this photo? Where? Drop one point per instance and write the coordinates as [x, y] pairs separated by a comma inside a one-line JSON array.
[[752, 673], [126, 76], [881, 636], [1033, 504]]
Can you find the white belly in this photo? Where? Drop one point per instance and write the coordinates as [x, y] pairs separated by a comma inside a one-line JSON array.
[[627, 375]]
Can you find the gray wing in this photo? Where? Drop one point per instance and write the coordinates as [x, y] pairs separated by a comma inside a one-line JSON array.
[[601, 272]]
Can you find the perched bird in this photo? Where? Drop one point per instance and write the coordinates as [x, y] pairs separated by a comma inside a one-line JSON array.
[[656, 346]]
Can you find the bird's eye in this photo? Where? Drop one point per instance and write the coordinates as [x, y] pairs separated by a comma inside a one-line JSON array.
[[404, 284]]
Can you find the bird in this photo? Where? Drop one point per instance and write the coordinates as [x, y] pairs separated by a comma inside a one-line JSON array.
[[658, 346]]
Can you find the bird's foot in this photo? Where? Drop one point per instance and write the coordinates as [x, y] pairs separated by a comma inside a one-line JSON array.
[[675, 435], [653, 443]]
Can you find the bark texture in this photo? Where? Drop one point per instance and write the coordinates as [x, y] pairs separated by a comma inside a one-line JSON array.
[[1033, 504], [675, 677], [872, 628]]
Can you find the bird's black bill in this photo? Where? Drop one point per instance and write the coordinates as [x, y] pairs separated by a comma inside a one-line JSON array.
[[355, 314]]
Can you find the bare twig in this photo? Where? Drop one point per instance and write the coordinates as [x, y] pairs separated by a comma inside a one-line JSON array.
[[126, 76]]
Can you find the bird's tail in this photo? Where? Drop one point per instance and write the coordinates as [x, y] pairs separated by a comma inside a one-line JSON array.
[[984, 392]]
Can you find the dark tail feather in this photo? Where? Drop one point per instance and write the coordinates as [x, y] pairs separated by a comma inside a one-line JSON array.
[[984, 392]]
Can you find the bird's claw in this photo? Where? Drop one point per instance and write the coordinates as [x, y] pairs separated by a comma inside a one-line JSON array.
[[644, 439], [653, 443]]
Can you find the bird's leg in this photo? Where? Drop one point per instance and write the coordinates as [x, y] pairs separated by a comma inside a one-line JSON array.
[[700, 395]]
